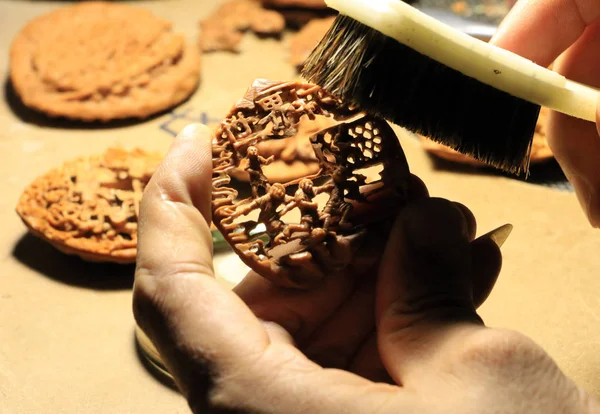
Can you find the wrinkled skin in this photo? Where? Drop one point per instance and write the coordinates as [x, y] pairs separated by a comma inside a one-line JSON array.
[[402, 338]]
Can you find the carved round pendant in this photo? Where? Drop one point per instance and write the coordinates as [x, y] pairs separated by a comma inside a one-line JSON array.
[[297, 233]]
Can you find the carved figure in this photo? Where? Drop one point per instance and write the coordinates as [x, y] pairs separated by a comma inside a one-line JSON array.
[[309, 210], [254, 169], [267, 204]]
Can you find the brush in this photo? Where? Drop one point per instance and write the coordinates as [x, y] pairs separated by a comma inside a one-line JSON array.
[[393, 61], [469, 25]]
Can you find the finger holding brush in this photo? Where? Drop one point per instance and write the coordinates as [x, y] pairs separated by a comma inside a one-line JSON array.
[[566, 32]]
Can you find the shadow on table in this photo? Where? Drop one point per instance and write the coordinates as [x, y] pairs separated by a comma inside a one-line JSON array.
[[71, 270], [547, 174], [31, 116]]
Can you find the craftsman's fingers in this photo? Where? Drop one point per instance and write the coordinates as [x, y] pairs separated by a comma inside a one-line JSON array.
[[218, 352], [486, 260], [188, 315], [567, 31], [576, 143], [302, 312], [417, 189], [367, 362], [335, 343], [470, 221], [298, 311], [427, 283], [328, 323], [541, 30]]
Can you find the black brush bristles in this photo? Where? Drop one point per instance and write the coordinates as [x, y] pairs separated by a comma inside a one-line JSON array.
[[386, 78]]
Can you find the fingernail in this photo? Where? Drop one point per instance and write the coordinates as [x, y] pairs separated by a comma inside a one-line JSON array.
[[500, 234], [193, 132]]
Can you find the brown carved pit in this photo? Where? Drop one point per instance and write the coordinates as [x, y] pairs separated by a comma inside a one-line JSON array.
[[297, 233]]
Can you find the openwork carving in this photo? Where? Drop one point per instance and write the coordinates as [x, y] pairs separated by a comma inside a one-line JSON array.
[[296, 233], [89, 206]]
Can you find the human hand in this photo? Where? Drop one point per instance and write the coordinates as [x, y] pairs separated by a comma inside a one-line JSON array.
[[566, 32], [403, 338]]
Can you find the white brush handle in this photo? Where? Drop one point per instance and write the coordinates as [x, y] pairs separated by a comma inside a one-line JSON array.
[[472, 57]]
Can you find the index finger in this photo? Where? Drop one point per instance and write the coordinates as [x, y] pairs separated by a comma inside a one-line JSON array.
[[540, 30]]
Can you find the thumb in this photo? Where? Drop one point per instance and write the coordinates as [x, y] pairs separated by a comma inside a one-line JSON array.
[[428, 277], [188, 315]]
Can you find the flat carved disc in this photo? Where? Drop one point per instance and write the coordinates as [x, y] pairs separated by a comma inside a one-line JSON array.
[[296, 233]]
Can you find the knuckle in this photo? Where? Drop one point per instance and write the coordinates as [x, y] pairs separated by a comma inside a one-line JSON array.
[[155, 290], [503, 351], [225, 396], [213, 394], [230, 390]]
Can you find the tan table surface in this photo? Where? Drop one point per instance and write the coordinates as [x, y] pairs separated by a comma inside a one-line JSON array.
[[66, 327]]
